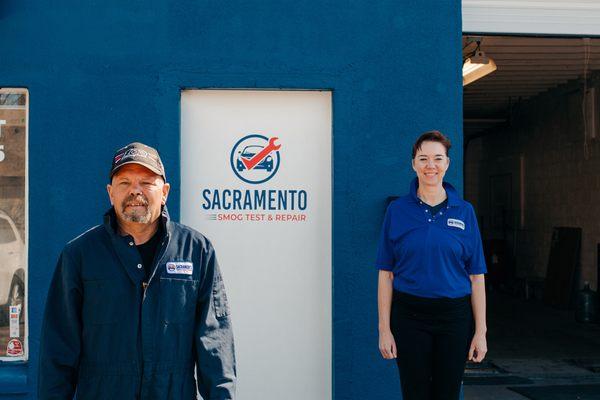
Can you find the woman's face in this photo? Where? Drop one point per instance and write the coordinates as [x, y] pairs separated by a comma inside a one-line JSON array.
[[430, 163]]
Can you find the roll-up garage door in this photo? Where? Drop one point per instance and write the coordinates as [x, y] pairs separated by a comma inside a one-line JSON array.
[[539, 17]]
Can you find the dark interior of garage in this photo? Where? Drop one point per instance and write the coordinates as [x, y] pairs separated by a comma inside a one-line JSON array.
[[532, 173]]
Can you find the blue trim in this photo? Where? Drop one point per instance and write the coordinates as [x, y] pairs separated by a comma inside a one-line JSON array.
[[13, 378]]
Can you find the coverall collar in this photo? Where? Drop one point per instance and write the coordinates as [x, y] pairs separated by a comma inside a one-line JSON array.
[[125, 251], [453, 197]]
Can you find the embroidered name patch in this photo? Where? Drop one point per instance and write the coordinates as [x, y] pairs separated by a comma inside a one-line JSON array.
[[185, 268], [457, 223]]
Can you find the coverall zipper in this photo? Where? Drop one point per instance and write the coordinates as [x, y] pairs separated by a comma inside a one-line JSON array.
[[163, 247]]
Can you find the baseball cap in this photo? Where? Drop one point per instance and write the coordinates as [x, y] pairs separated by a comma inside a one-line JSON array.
[[138, 153]]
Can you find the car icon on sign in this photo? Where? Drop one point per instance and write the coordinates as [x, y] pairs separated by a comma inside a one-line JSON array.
[[248, 153]]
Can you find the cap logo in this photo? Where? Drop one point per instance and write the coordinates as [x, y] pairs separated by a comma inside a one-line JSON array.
[[132, 153], [135, 153]]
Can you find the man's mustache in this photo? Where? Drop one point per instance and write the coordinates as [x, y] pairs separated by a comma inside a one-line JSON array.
[[137, 199]]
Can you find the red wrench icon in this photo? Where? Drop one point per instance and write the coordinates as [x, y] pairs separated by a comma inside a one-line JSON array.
[[258, 157]]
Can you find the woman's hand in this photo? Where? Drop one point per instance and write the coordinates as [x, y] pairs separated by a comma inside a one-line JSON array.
[[478, 348], [387, 345]]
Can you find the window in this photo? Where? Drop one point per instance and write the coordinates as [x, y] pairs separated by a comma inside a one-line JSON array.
[[7, 231], [13, 224]]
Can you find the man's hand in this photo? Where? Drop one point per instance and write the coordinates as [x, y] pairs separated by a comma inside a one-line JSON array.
[[387, 345]]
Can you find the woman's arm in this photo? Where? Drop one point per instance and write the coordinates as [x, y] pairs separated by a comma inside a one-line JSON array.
[[478, 344], [387, 345]]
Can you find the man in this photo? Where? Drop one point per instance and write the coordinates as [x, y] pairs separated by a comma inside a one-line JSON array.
[[138, 303]]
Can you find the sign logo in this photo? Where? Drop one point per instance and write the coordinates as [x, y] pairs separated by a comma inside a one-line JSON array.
[[255, 158], [14, 348]]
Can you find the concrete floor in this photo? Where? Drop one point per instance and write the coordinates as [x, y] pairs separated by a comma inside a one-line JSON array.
[[530, 340]]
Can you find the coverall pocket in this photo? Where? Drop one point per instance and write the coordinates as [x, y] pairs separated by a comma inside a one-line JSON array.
[[178, 299], [101, 302]]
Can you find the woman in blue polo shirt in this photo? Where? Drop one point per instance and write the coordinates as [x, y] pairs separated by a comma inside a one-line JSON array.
[[431, 282]]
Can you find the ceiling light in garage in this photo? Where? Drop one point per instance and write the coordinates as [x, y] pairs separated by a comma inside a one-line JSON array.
[[476, 67]]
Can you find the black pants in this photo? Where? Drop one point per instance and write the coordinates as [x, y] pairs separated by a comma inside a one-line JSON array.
[[433, 338]]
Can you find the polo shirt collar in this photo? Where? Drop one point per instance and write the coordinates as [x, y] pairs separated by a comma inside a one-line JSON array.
[[453, 197]]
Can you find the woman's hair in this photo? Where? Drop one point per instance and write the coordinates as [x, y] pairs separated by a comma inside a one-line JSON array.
[[431, 136]]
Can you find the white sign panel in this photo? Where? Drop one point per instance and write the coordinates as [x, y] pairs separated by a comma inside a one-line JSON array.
[[256, 180]]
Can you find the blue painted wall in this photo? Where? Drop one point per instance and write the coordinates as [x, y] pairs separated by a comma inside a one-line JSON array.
[[104, 73]]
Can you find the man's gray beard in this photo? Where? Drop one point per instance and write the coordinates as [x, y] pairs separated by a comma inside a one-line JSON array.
[[142, 219]]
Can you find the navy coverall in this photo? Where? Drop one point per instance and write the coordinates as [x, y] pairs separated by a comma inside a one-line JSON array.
[[109, 335]]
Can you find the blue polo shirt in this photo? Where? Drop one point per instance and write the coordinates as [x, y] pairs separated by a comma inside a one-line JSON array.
[[431, 255]]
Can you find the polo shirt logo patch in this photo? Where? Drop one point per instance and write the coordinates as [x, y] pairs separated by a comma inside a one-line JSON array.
[[185, 268], [457, 223]]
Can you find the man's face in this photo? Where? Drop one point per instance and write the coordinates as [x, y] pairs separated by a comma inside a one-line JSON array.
[[137, 194]]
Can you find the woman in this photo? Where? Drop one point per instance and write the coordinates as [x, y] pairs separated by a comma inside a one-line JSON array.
[[431, 282]]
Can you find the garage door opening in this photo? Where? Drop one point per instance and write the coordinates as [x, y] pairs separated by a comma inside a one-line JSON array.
[[532, 172]]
